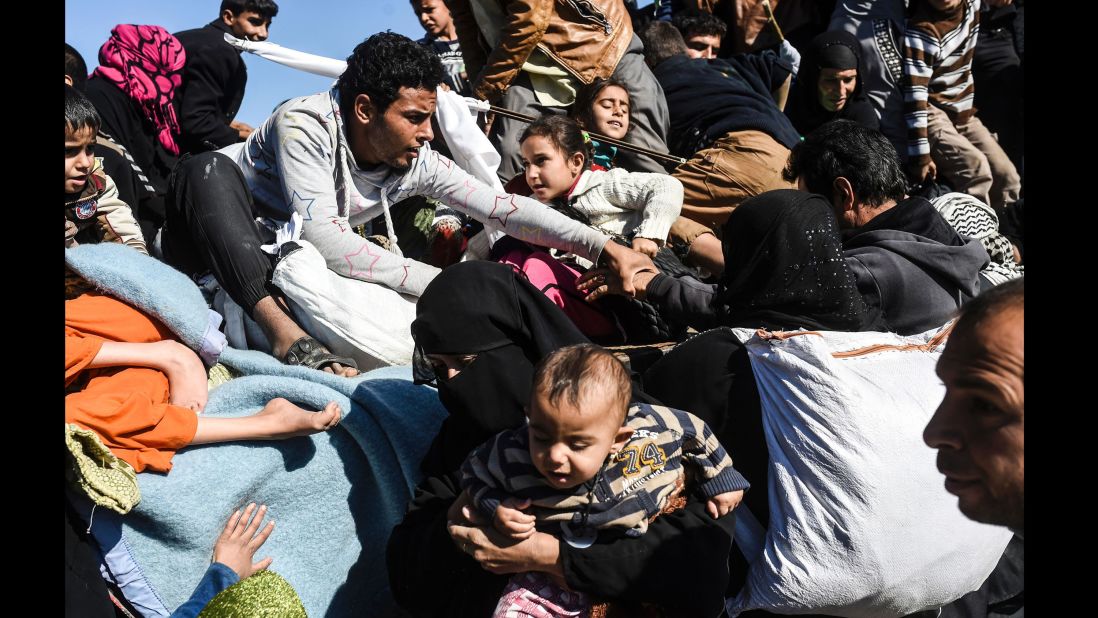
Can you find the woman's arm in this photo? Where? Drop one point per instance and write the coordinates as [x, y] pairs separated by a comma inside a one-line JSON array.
[[428, 574], [681, 563], [686, 550]]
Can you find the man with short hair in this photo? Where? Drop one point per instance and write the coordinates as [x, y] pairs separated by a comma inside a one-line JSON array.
[[979, 428], [215, 76], [702, 32], [909, 262], [339, 159], [443, 40]]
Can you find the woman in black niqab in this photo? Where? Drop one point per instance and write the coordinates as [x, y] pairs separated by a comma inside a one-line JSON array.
[[486, 309], [784, 270], [483, 308], [834, 49]]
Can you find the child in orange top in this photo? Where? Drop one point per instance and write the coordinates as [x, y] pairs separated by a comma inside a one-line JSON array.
[[129, 380]]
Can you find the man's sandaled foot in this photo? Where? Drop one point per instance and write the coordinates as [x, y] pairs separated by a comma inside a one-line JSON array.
[[308, 352]]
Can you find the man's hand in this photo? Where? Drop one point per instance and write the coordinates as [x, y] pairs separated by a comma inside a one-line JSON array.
[[920, 170], [722, 504], [601, 281], [646, 246], [243, 130], [510, 519], [621, 261], [240, 540]]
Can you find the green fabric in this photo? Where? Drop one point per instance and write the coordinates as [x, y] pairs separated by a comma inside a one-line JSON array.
[[94, 470], [263, 595], [553, 85], [412, 218], [218, 375]]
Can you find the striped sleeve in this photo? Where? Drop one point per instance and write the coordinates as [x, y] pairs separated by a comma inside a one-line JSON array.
[[483, 476], [704, 454], [921, 49]]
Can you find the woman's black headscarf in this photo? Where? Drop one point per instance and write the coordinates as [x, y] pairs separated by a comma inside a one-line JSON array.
[[784, 267], [834, 49], [486, 309]]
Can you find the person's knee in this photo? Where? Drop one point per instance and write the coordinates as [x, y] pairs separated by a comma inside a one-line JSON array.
[[207, 166], [979, 168]]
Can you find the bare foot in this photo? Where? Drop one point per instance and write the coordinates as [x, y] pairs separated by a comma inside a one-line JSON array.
[[286, 420]]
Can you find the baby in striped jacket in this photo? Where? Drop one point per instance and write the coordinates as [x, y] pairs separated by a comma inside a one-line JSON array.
[[587, 463]]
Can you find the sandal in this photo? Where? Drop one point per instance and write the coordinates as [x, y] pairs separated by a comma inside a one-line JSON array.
[[309, 352]]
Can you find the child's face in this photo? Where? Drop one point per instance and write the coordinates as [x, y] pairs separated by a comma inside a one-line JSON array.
[[433, 16], [548, 171], [611, 112], [568, 446], [79, 158]]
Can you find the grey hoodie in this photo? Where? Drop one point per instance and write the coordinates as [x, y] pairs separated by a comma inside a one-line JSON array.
[[300, 160], [912, 265]]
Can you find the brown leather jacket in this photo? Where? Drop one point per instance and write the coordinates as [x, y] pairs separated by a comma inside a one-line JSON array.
[[586, 37]]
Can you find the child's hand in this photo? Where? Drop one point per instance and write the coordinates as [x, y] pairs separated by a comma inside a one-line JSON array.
[[510, 519], [239, 542], [646, 246], [722, 504]]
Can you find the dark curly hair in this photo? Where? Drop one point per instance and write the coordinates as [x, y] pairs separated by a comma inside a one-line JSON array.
[[383, 64], [845, 148], [586, 96]]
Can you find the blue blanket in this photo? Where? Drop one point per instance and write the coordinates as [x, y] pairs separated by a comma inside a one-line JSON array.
[[334, 496]]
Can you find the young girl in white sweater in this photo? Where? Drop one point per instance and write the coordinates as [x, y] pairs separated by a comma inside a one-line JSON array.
[[637, 207]]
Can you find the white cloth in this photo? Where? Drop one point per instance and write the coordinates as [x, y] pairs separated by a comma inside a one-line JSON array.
[[311, 63], [366, 321], [860, 522]]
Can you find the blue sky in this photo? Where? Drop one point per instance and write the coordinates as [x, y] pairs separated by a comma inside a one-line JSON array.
[[325, 27]]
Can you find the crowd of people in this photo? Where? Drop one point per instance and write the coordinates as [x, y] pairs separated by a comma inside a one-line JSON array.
[[673, 180]]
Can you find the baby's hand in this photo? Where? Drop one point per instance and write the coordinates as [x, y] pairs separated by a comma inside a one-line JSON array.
[[510, 519], [239, 541], [646, 246], [722, 504]]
